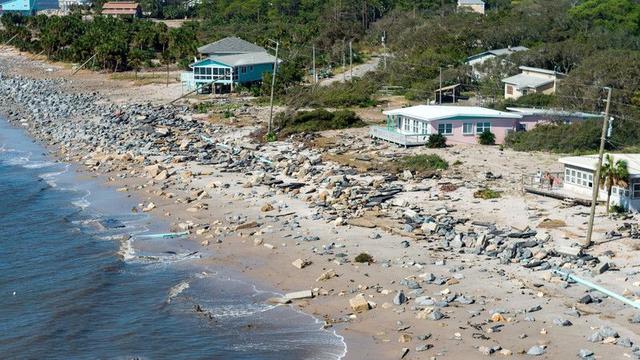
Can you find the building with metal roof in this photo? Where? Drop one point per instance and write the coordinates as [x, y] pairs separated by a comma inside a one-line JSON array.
[[579, 175], [230, 46], [472, 5], [122, 8], [460, 124], [229, 62], [475, 61], [531, 80]]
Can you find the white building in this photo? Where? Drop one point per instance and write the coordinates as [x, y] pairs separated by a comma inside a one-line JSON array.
[[478, 59], [579, 172], [531, 80], [471, 5]]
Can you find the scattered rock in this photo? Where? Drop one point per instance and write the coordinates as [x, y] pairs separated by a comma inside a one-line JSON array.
[[359, 303], [536, 350]]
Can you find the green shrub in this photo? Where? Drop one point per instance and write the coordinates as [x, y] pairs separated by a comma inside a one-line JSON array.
[[422, 163], [437, 141], [270, 137], [567, 138], [487, 138], [617, 209], [358, 92], [364, 258], [317, 120], [487, 194]]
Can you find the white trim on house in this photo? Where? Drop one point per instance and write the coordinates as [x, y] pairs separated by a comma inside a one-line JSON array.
[[441, 112]]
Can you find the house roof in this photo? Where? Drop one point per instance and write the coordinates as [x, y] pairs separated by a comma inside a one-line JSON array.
[[439, 112], [498, 52], [240, 59], [553, 112], [591, 161], [522, 81], [470, 2], [539, 70], [230, 45], [120, 8], [120, 5]]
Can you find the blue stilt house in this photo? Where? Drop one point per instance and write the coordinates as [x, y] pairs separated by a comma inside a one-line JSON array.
[[227, 63]]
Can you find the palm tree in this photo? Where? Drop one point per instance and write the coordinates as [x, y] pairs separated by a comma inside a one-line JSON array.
[[613, 174]]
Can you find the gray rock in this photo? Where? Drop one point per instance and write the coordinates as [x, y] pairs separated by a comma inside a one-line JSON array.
[[436, 315], [534, 308], [595, 337], [608, 332], [562, 322], [400, 298], [626, 342], [536, 350], [411, 284], [585, 354], [423, 347]]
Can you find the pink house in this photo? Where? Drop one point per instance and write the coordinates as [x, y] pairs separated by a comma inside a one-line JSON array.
[[460, 124]]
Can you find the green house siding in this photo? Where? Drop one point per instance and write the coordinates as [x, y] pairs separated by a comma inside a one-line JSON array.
[[252, 73], [207, 71]]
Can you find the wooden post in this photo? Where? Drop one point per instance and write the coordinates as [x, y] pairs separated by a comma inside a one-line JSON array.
[[350, 61], [315, 75], [231, 79], [596, 175], [273, 83], [83, 64]]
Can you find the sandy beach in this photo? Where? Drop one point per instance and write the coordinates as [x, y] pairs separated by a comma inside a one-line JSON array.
[[436, 293]]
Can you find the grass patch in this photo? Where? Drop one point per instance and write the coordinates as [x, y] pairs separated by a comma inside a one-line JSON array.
[[225, 109], [317, 120], [364, 258], [422, 164], [487, 194], [551, 224], [143, 79], [358, 92]]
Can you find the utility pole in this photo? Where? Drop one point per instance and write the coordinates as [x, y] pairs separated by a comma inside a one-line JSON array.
[[596, 181], [315, 74], [344, 73], [350, 60], [440, 90], [384, 46], [273, 82]]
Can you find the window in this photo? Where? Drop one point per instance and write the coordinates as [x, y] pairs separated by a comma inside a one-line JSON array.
[[509, 90], [243, 69], [482, 127], [415, 126], [467, 129], [636, 190], [445, 129], [578, 177], [251, 68]]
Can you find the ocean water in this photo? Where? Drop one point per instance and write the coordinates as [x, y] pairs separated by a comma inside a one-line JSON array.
[[80, 280]]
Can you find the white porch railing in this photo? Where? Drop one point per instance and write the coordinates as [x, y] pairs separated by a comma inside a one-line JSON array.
[[397, 137]]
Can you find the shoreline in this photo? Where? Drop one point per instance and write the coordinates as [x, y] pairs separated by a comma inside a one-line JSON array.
[[222, 200], [97, 203]]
